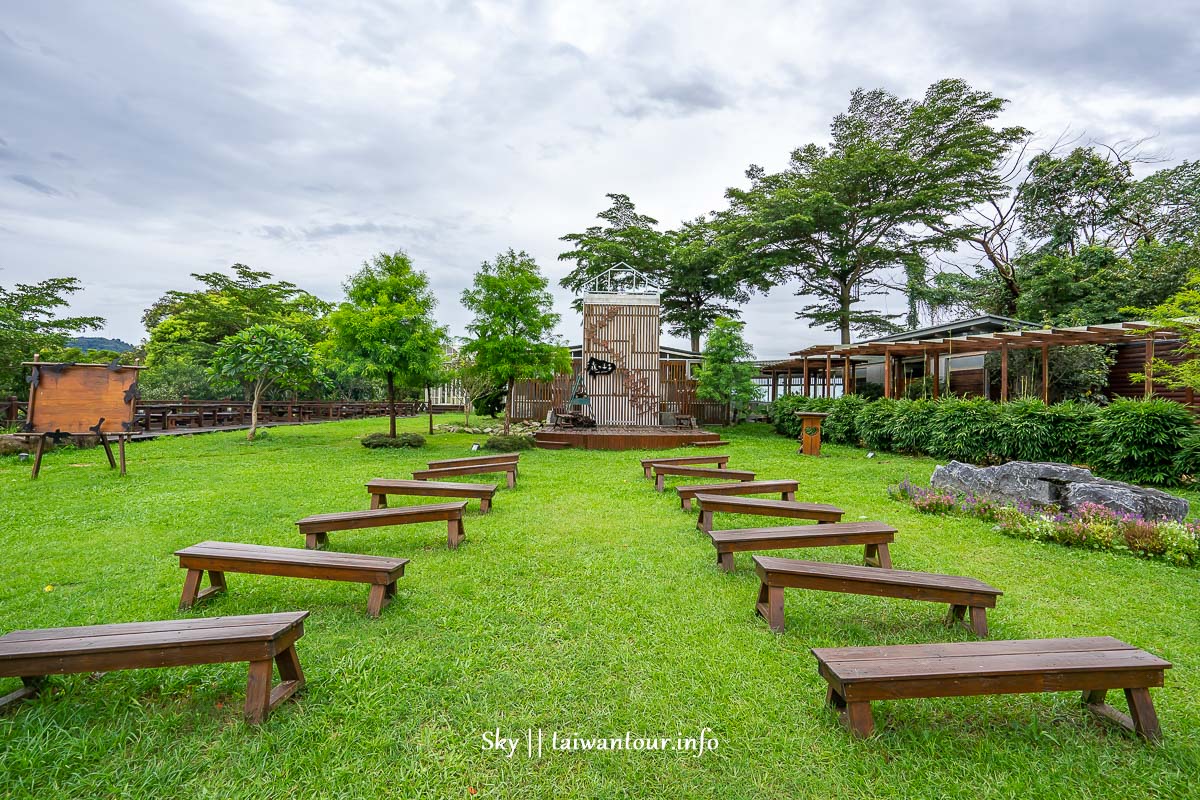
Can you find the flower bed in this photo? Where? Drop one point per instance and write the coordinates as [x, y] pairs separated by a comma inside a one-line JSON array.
[[1090, 525]]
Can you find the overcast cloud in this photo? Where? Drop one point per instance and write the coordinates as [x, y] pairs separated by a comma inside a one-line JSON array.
[[141, 142]]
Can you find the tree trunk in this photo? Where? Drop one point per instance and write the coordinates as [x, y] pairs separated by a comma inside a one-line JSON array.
[[844, 318], [254, 413], [695, 341], [429, 406], [466, 411], [508, 406], [391, 390]]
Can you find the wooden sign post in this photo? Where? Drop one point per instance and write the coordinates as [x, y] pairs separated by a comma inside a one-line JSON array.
[[810, 432], [78, 399]]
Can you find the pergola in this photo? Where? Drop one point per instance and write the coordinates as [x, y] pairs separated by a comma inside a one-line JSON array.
[[822, 358]]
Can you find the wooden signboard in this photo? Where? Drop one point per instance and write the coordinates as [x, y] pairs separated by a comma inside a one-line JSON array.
[[80, 399]]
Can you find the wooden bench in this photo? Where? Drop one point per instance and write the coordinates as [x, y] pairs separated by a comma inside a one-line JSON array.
[[777, 574], [316, 527], [258, 639], [380, 488], [471, 461], [509, 468], [720, 460], [217, 558], [789, 509], [786, 489], [858, 675], [873, 536], [661, 471]]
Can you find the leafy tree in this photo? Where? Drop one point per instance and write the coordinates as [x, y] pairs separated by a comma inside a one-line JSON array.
[[1179, 313], [882, 194], [513, 324], [626, 236], [191, 324], [387, 324], [262, 356], [29, 324], [475, 383], [727, 374]]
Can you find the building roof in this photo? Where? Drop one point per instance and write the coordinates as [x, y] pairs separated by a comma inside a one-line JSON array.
[[986, 323]]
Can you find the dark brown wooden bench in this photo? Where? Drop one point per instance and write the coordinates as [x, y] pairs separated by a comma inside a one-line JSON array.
[[471, 461], [380, 488], [661, 471], [873, 536], [217, 558], [858, 675], [789, 509], [258, 639], [786, 489], [777, 574], [316, 527], [720, 460], [509, 468]]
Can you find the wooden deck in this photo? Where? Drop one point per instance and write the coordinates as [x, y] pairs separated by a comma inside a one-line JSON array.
[[626, 438]]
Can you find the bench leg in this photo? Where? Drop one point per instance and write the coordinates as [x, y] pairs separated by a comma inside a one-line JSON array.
[[485, 505], [704, 521], [191, 588], [660, 482], [390, 590], [454, 533], [261, 699], [1145, 720], [314, 541], [725, 561], [979, 621], [112, 462], [857, 718], [770, 606], [788, 496], [512, 479], [216, 585], [378, 501], [646, 471], [30, 687], [377, 600], [877, 555]]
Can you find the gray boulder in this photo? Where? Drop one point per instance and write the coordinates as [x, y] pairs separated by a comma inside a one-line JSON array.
[[1125, 498]]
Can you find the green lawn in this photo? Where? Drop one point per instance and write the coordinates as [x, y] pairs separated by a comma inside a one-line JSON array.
[[585, 604]]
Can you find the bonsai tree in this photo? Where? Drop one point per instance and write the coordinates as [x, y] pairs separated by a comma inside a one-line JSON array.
[[727, 374], [513, 324], [261, 357]]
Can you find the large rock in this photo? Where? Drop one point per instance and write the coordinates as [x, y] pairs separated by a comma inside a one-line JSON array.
[[1061, 485]]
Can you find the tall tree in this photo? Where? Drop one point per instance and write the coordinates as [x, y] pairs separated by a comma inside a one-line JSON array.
[[29, 323], [626, 236], [513, 324], [727, 374], [1179, 313], [884, 192], [262, 356], [387, 323]]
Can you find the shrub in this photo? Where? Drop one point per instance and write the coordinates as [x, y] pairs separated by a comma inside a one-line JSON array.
[[870, 390], [874, 424], [1025, 431], [1186, 464], [964, 430], [841, 426], [1137, 440], [378, 440], [783, 412], [504, 444]]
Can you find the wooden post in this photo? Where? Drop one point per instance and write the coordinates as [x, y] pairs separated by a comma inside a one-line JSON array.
[[937, 375], [1046, 374], [887, 374], [11, 414], [847, 376], [828, 375], [1149, 368], [1004, 372], [804, 391], [774, 386], [788, 388]]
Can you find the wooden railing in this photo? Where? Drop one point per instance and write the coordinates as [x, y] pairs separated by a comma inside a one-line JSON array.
[[166, 416]]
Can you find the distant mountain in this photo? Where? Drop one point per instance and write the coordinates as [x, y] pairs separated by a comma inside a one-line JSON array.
[[86, 343]]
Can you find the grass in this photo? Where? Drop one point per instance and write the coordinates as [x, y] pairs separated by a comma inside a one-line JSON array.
[[584, 604]]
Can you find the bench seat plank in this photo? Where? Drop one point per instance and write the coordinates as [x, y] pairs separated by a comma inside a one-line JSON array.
[[661, 471], [859, 675], [509, 468], [217, 558], [258, 639], [473, 460], [380, 488], [960, 593], [316, 527], [790, 509], [786, 489], [873, 536], [711, 458]]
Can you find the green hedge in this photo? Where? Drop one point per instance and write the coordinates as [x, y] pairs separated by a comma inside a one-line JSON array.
[[1143, 441]]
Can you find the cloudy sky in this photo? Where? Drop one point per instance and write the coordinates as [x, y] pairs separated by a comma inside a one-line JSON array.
[[141, 142]]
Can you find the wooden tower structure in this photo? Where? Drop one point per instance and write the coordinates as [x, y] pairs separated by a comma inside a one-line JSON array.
[[620, 348]]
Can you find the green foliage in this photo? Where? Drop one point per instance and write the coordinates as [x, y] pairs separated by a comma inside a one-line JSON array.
[[375, 441], [1187, 460], [262, 356], [1137, 440], [1078, 372], [29, 324], [174, 378], [513, 324], [505, 443], [727, 374], [1180, 313], [885, 190]]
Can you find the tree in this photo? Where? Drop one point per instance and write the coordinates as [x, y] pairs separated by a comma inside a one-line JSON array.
[[727, 374], [474, 382], [627, 237], [387, 324], [513, 324], [884, 193], [29, 324], [1179, 313], [262, 356]]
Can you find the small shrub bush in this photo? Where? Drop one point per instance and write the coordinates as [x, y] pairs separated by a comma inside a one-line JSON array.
[[504, 444], [1138, 440], [378, 440]]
